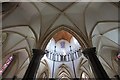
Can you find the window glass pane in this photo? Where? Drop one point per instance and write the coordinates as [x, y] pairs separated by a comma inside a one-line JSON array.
[[7, 63]]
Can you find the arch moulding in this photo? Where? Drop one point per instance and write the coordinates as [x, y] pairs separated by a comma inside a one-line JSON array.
[[59, 28]]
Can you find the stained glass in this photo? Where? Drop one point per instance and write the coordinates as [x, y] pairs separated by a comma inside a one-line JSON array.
[[118, 56], [62, 44], [7, 63]]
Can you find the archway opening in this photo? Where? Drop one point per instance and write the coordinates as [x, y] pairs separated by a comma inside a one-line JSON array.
[[63, 46]]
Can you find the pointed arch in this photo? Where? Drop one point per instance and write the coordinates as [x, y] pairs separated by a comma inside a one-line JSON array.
[[79, 37], [63, 72]]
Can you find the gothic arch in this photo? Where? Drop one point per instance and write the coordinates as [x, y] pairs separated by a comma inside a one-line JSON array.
[[63, 71], [79, 38]]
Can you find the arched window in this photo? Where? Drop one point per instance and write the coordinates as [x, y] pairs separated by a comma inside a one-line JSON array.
[[117, 57], [62, 43], [84, 76], [6, 64]]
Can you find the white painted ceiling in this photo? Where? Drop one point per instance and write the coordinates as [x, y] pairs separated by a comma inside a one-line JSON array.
[[26, 26]]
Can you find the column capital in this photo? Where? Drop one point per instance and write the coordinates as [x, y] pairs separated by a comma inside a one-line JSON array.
[[34, 64], [89, 51], [38, 51], [98, 70]]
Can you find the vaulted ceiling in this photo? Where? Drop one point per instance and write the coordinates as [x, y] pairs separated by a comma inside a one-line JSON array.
[[62, 35], [28, 25]]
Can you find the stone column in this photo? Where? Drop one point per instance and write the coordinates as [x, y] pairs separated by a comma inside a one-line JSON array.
[[99, 72], [34, 65]]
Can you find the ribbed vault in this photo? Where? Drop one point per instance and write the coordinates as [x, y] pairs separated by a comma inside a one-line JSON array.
[[28, 25]]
